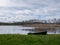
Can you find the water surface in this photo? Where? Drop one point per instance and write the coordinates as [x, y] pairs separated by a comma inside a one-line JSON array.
[[14, 30], [24, 30]]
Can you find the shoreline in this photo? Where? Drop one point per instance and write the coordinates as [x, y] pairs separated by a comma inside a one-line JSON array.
[[38, 26]]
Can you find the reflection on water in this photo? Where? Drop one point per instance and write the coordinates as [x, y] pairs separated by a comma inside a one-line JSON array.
[[54, 31], [24, 30], [14, 29]]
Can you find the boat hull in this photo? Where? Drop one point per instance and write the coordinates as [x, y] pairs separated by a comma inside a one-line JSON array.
[[38, 33]]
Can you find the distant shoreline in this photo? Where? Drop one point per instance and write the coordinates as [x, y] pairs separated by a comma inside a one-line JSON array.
[[44, 26], [40, 26]]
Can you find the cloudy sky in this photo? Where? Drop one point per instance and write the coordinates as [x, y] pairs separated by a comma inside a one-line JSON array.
[[18, 10]]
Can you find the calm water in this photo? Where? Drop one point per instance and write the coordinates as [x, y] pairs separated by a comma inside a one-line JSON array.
[[54, 31], [14, 29], [19, 30]]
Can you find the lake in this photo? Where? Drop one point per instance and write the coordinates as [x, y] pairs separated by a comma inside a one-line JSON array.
[[24, 30], [54, 31], [14, 29]]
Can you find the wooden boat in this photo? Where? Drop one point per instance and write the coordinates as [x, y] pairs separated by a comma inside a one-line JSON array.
[[38, 33]]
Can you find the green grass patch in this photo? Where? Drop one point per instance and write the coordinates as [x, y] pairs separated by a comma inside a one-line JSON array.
[[16, 39]]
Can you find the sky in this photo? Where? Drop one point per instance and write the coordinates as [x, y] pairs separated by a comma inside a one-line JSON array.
[[19, 10]]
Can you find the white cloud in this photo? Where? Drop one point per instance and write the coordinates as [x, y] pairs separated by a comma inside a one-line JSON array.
[[51, 17], [13, 3], [31, 9], [24, 12], [3, 3], [24, 17], [42, 11]]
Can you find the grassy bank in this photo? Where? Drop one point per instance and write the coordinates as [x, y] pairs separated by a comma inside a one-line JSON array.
[[29, 39]]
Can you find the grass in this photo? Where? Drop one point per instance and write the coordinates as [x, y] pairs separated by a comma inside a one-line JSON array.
[[16, 39]]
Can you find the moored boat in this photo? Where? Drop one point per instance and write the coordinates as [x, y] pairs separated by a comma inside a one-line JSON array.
[[38, 33]]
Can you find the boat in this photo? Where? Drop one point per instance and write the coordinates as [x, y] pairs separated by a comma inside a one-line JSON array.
[[38, 33]]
